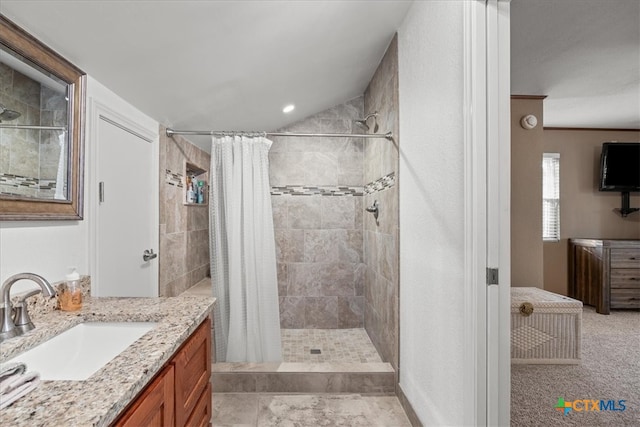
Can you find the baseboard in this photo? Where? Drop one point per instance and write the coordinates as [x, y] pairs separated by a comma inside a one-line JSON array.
[[408, 409]]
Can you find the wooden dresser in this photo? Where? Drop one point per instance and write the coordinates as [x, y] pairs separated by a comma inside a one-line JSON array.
[[605, 273]]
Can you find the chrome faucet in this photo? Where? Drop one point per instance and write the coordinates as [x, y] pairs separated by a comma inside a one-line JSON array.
[[13, 325]]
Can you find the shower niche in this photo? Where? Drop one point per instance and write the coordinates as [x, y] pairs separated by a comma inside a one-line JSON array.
[[196, 186]]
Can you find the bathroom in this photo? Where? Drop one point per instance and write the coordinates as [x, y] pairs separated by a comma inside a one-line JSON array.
[[410, 300]]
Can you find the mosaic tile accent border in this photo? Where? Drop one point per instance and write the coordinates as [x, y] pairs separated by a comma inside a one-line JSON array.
[[26, 181], [319, 190], [173, 178], [386, 181]]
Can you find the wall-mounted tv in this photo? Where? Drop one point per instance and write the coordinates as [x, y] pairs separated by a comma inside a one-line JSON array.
[[620, 166]]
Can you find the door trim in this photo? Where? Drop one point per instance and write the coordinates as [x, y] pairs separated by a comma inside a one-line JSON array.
[[106, 106], [504, 60], [487, 211], [475, 218], [498, 211]]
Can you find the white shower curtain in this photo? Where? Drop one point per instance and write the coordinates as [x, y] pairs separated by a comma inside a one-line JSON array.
[[61, 190], [243, 254]]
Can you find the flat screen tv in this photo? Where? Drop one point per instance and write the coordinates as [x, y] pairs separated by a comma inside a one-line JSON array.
[[620, 166]]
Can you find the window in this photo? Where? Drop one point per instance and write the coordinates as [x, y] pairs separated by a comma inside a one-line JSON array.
[[551, 197]]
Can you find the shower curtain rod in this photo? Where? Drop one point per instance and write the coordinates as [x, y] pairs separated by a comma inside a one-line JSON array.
[[170, 132], [31, 127]]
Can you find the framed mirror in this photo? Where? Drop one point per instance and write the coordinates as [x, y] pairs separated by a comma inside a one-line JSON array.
[[42, 109]]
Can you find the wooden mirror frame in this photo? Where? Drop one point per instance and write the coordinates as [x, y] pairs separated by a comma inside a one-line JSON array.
[[18, 209]]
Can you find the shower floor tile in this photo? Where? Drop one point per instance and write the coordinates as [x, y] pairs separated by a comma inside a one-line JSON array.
[[335, 345]]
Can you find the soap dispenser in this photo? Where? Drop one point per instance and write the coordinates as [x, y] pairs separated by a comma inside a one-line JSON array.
[[70, 293]]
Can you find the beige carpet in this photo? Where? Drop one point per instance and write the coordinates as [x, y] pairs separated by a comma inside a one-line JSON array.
[[610, 370]]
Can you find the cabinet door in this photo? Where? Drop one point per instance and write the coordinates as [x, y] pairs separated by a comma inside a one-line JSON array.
[[192, 372], [155, 406], [201, 415]]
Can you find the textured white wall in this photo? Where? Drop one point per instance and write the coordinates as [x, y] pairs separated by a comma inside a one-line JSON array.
[[46, 248], [431, 211]]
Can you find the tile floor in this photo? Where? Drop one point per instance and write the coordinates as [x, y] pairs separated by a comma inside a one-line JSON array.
[[335, 345], [307, 410]]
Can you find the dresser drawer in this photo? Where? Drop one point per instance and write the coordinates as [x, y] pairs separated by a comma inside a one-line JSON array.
[[625, 258], [625, 298], [625, 278]]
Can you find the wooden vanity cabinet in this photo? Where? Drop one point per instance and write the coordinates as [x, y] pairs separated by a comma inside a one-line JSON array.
[[180, 395], [155, 406]]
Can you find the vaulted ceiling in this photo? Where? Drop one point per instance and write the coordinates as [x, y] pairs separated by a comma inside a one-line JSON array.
[[225, 65]]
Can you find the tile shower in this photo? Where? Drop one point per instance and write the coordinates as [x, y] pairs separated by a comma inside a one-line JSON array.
[[318, 215], [337, 267], [318, 219]]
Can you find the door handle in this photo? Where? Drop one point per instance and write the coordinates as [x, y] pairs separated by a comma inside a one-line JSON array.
[[148, 255], [101, 192]]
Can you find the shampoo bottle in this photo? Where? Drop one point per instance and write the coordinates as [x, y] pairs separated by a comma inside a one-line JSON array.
[[200, 191], [70, 293], [191, 194]]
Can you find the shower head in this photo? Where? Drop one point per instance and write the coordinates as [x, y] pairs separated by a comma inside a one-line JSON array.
[[8, 115], [364, 125]]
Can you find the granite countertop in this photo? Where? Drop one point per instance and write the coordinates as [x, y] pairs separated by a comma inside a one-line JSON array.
[[98, 400]]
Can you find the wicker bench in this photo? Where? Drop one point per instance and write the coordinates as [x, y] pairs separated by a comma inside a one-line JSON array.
[[546, 328]]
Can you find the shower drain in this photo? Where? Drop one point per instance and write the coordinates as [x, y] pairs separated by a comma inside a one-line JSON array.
[[315, 351]]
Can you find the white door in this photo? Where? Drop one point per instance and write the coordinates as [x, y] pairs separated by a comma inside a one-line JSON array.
[[126, 214]]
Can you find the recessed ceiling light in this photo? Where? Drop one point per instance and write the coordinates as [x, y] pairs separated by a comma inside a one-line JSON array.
[[289, 108]]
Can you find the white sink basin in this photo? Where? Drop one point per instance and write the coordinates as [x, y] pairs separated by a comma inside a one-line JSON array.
[[79, 352]]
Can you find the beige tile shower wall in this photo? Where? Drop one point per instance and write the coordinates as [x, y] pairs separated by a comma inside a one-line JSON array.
[[381, 240], [19, 149], [184, 230], [319, 238], [30, 153]]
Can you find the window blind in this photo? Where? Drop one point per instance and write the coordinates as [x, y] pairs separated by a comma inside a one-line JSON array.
[[551, 197]]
